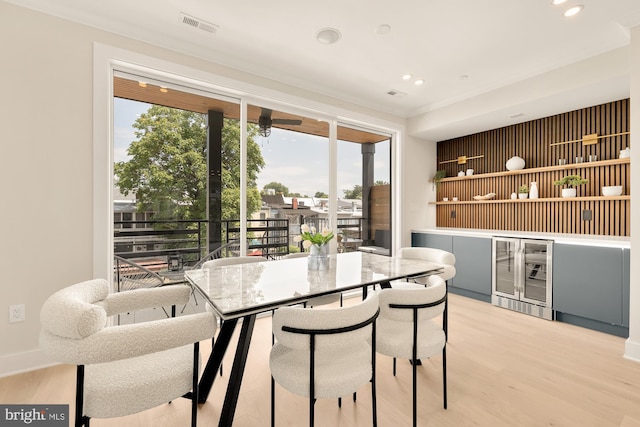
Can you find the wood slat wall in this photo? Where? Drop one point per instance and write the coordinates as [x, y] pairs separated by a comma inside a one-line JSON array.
[[532, 141], [380, 205]]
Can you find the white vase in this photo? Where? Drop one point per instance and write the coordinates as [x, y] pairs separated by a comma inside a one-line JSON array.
[[318, 257], [533, 190], [569, 192]]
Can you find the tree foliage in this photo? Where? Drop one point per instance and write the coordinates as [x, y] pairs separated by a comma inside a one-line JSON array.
[[168, 166], [355, 193], [277, 187]]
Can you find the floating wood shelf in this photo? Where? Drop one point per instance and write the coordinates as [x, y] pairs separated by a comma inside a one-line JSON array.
[[542, 169], [539, 200]]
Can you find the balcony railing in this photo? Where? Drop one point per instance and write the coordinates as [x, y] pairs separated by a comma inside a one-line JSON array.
[[156, 240]]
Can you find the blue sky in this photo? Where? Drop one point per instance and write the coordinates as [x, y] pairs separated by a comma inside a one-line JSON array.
[[299, 161]]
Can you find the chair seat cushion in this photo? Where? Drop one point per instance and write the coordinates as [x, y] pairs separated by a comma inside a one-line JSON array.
[[336, 374], [128, 386], [395, 338]]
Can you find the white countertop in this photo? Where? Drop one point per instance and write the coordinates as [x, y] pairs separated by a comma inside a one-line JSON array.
[[570, 239]]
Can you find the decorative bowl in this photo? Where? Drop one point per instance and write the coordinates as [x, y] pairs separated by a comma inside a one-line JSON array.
[[612, 190]]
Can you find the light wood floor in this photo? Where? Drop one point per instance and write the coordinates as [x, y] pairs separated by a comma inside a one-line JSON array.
[[504, 369]]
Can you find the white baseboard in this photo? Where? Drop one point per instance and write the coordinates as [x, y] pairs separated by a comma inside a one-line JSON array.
[[632, 350], [17, 363]]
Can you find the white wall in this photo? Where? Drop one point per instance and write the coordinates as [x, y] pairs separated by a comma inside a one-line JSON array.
[[417, 169], [632, 348]]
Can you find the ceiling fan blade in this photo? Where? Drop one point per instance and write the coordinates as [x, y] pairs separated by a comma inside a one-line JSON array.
[[286, 121]]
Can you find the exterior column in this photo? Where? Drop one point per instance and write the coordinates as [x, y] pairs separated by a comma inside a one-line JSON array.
[[215, 121], [368, 157]]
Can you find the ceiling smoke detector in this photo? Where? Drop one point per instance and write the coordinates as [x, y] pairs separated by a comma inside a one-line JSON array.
[[198, 23]]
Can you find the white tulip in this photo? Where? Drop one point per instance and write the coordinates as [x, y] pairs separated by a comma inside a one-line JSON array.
[[297, 239], [306, 244], [304, 228]]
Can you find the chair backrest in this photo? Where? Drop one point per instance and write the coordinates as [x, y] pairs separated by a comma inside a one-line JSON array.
[[232, 261], [227, 250], [128, 275], [396, 304], [335, 328], [446, 259], [428, 254], [75, 330]]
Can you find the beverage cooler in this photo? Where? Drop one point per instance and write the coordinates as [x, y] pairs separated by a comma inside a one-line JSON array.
[[521, 275]]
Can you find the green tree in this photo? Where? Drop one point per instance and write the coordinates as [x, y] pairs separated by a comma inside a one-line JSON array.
[[277, 187], [168, 167], [355, 193], [321, 195]]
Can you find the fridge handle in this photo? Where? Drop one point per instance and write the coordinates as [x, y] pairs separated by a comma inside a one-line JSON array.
[[520, 269]]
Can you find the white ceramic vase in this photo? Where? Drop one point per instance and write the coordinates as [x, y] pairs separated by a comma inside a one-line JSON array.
[[522, 195], [533, 190], [569, 192]]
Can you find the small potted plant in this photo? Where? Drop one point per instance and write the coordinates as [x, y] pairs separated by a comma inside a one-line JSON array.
[[523, 192], [438, 177], [570, 182]]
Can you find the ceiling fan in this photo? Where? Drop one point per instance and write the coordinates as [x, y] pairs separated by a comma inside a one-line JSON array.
[[265, 122]]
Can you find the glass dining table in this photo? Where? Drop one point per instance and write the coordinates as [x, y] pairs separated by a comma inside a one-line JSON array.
[[243, 291]]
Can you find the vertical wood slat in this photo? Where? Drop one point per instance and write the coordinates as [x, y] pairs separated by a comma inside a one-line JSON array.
[[531, 141]]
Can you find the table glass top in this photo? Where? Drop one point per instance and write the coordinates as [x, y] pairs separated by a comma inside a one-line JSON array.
[[238, 290]]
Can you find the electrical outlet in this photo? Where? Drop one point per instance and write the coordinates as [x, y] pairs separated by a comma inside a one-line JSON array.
[[16, 313]]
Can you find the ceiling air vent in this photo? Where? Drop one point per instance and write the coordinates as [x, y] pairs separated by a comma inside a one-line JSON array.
[[394, 92], [199, 23]]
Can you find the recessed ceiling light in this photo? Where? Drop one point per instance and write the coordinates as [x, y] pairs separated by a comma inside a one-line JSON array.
[[464, 77], [142, 84], [383, 29], [406, 77], [573, 11], [418, 82], [163, 89], [557, 2], [328, 35]]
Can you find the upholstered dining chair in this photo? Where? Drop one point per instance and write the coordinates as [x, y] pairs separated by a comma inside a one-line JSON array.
[[446, 261], [122, 370], [406, 329], [323, 300], [325, 352]]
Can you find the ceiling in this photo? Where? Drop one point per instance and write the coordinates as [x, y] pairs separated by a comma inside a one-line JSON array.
[[172, 97], [461, 48]]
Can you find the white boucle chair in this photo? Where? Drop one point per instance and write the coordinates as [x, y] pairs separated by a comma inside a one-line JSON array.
[[325, 352], [123, 370], [405, 327], [446, 261]]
